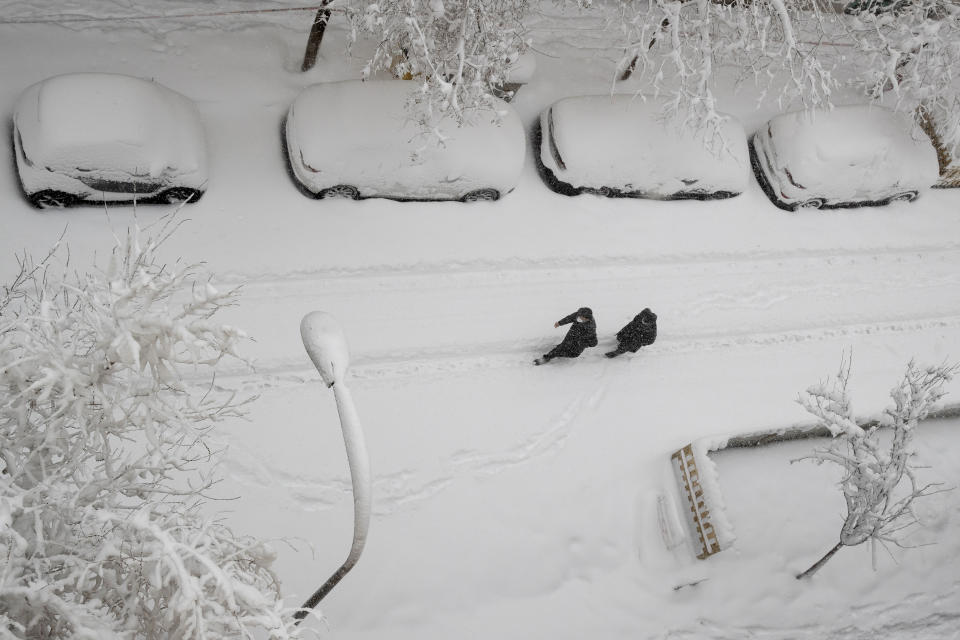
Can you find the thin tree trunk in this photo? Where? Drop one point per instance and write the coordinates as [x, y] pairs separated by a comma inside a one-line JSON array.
[[316, 36], [819, 563], [633, 63]]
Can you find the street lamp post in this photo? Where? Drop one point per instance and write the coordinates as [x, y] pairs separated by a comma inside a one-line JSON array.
[[325, 344]]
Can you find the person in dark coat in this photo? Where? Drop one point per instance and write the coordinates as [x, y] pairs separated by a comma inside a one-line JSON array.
[[581, 335], [639, 332]]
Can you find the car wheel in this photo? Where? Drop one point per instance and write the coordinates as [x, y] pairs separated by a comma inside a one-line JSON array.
[[180, 195], [906, 196], [812, 203], [481, 195], [339, 191], [52, 199]]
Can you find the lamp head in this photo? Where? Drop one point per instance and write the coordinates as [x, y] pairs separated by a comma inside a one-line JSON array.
[[326, 345]]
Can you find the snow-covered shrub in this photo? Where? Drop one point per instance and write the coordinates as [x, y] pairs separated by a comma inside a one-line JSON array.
[[874, 467], [105, 458]]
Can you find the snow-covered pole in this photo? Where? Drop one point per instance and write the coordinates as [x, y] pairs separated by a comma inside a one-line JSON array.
[[325, 344]]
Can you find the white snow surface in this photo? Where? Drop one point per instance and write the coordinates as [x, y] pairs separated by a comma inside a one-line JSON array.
[[624, 141], [852, 153], [110, 126], [362, 134], [514, 501]]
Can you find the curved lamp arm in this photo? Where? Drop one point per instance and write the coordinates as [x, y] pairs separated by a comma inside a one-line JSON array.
[[325, 344]]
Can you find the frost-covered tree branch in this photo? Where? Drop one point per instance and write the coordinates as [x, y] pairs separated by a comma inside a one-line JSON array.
[[875, 460], [905, 53], [796, 52], [910, 51], [675, 46], [105, 459], [458, 50]]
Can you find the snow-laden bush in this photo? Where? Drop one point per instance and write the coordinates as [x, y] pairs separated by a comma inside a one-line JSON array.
[[105, 458], [875, 464]]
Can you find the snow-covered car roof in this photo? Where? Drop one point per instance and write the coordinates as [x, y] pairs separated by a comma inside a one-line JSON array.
[[363, 134], [618, 140], [109, 122], [852, 151]]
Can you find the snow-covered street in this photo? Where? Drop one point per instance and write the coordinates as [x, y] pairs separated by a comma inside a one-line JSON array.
[[513, 501], [420, 319]]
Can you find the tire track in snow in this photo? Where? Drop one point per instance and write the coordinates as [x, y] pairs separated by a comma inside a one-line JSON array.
[[421, 363], [425, 322], [532, 270]]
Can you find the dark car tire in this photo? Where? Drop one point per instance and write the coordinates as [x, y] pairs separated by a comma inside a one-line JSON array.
[[339, 191], [180, 195], [906, 196], [49, 199], [481, 195], [812, 203]]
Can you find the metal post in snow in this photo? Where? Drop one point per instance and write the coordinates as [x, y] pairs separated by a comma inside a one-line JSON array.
[[327, 347]]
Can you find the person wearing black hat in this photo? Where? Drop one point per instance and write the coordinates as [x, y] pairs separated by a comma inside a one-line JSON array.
[[639, 332], [581, 335]]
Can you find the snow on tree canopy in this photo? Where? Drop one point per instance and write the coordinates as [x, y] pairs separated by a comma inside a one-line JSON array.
[[848, 154], [110, 122], [362, 134], [624, 142]]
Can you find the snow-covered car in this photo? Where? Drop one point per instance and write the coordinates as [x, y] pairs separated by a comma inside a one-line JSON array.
[[107, 137], [849, 156], [619, 145], [354, 139]]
